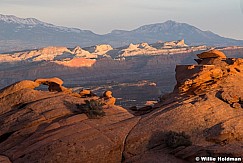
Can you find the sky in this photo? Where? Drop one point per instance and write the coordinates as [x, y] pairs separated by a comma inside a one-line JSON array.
[[223, 17]]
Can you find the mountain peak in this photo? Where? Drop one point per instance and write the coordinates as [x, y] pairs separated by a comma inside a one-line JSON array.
[[31, 33], [167, 25], [17, 20], [171, 22]]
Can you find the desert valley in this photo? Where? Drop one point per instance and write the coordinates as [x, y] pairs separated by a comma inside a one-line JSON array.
[[145, 95]]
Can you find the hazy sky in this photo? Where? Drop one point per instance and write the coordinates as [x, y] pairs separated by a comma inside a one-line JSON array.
[[224, 17]]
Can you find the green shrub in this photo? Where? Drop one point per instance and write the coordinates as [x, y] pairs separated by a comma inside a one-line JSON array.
[[174, 139], [92, 108]]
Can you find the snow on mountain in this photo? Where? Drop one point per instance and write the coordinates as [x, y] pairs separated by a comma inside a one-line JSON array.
[[30, 22], [29, 33], [14, 19]]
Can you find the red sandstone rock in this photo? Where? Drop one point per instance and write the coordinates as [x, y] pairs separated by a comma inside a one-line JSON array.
[[49, 80], [212, 54], [17, 87], [46, 127]]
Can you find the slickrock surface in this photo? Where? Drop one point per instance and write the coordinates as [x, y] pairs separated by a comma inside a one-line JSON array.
[[25, 84], [39, 126], [206, 106]]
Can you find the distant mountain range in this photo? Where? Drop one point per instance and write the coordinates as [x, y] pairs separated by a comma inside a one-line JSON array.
[[30, 33]]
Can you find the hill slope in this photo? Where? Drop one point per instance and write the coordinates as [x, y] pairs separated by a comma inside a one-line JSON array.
[[19, 34], [171, 30]]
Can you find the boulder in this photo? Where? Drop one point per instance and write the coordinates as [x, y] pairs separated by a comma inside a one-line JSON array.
[[86, 93], [212, 54], [108, 99], [47, 81], [213, 61], [25, 84], [107, 94]]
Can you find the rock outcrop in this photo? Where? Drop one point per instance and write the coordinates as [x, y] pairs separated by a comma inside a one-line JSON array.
[[205, 105], [213, 70], [212, 54], [108, 99], [25, 84], [39, 126], [54, 84]]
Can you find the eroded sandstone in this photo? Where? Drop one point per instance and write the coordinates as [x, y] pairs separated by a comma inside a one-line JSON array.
[[206, 105], [47, 127]]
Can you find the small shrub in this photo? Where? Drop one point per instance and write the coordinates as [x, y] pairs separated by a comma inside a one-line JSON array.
[[174, 139], [92, 108]]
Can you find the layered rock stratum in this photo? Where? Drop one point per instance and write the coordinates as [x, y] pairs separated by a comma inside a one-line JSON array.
[[62, 55], [205, 109], [102, 65]]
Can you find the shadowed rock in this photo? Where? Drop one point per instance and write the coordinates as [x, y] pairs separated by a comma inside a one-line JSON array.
[[54, 84], [226, 132], [86, 93], [47, 81]]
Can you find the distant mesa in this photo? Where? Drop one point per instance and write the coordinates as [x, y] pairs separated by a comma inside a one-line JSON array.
[[171, 44], [85, 57], [145, 46], [79, 52], [172, 47], [99, 49], [77, 62]]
